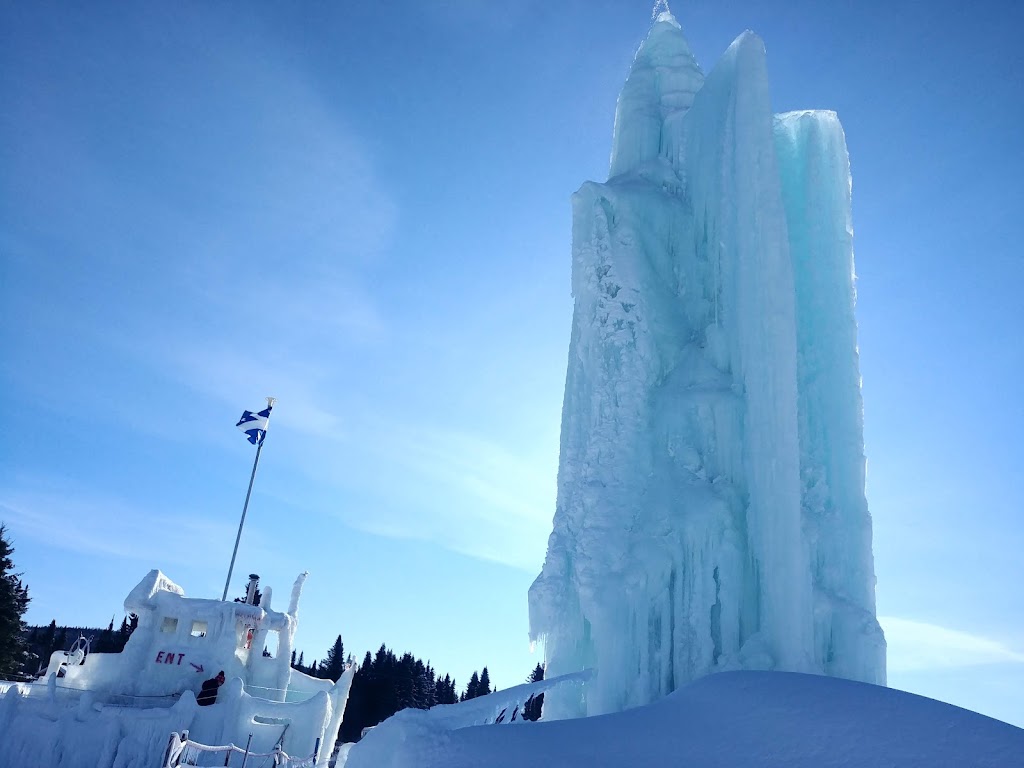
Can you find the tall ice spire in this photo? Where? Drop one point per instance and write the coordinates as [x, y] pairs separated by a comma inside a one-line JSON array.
[[658, 92], [711, 511]]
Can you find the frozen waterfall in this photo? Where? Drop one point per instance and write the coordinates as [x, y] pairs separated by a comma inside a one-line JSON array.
[[711, 512]]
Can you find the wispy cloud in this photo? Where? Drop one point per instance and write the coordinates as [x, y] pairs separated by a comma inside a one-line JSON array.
[[235, 246], [460, 490], [481, 469], [916, 645], [73, 521], [490, 503]]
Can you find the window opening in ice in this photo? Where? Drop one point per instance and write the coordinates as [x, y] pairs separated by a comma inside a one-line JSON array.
[[264, 720], [271, 645], [170, 624], [199, 629]]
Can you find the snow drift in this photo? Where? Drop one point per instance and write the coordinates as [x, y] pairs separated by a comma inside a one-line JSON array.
[[729, 719]]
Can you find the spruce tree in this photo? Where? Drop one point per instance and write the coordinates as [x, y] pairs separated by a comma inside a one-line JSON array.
[[48, 641], [123, 633], [13, 602], [334, 664], [446, 690], [485, 683], [426, 688], [105, 643], [129, 625], [471, 687], [405, 682], [534, 704]]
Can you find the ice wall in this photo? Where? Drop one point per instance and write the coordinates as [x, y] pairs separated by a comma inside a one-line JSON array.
[[711, 510]]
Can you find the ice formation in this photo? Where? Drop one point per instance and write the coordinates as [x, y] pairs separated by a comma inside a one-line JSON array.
[[711, 511], [117, 710]]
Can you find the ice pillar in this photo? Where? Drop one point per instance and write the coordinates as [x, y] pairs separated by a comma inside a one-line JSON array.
[[698, 436]]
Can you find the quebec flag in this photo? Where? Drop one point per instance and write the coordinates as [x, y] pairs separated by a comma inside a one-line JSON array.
[[255, 424]]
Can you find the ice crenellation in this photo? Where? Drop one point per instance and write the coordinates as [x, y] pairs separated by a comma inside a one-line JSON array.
[[711, 511]]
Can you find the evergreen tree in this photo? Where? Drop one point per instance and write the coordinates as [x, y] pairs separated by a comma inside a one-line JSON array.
[[405, 682], [485, 683], [532, 709], [334, 664], [44, 644], [48, 639], [31, 663], [446, 691], [471, 688], [105, 642], [384, 674], [13, 602], [61, 642], [129, 625], [256, 598], [123, 633], [426, 690]]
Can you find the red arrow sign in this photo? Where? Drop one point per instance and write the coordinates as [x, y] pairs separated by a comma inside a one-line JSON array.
[[199, 667]]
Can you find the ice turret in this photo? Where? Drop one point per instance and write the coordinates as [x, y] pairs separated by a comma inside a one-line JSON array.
[[710, 510], [658, 92]]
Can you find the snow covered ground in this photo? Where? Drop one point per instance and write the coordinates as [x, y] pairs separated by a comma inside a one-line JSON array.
[[729, 719]]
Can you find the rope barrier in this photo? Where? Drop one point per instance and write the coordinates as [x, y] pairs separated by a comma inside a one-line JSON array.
[[61, 687], [171, 697]]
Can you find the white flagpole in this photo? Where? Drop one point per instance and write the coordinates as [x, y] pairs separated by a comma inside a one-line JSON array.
[[245, 507]]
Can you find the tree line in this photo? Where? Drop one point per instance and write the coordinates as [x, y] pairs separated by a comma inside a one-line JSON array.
[[41, 641], [385, 683]]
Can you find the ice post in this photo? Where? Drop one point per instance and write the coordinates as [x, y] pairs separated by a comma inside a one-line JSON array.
[[711, 511]]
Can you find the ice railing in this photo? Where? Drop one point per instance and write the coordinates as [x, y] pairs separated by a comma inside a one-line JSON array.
[[60, 692], [182, 751], [503, 706], [72, 695], [498, 708]]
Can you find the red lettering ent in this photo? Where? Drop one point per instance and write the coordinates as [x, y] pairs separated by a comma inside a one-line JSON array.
[[159, 657]]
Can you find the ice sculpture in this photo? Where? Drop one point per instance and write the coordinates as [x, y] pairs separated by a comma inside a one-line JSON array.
[[711, 511]]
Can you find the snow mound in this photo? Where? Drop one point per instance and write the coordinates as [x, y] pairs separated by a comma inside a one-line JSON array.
[[728, 719]]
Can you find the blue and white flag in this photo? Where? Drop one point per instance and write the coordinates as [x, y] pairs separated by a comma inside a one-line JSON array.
[[255, 424]]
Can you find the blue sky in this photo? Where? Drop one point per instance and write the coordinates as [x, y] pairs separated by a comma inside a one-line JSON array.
[[362, 209]]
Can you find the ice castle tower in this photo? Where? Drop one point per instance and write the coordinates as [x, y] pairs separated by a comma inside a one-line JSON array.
[[711, 511]]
